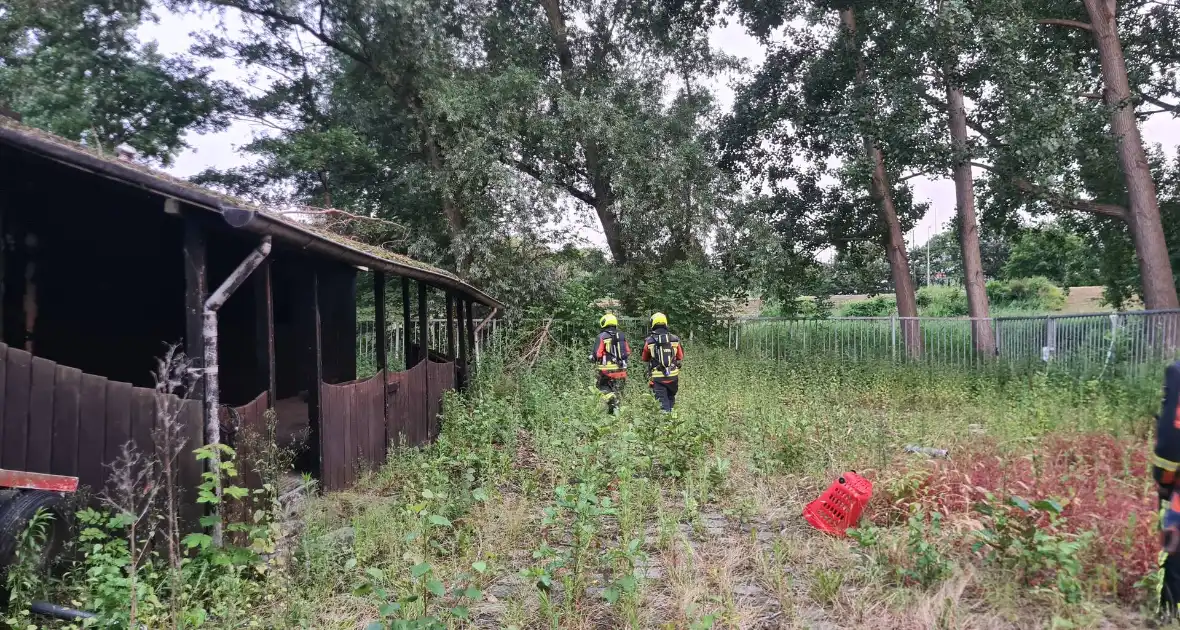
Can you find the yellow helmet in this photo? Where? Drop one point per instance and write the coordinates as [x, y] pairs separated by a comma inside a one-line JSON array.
[[659, 319], [608, 320]]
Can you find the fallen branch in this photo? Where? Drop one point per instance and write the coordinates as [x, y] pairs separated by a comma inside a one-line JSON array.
[[531, 355], [336, 212]]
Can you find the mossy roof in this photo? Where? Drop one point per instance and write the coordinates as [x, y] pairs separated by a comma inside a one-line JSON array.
[[86, 158]]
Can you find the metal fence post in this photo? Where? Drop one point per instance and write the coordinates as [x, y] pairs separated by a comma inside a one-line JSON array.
[[1050, 339], [893, 336]]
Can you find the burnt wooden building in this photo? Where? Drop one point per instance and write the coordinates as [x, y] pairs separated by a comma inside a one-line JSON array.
[[103, 261]]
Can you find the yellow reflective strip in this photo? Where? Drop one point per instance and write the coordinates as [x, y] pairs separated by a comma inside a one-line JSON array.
[[1165, 464]]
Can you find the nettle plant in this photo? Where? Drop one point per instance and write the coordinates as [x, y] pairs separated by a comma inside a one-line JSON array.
[[1029, 539], [414, 607]]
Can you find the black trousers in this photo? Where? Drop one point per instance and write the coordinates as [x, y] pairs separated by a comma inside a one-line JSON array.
[[1170, 593], [665, 391], [612, 390]]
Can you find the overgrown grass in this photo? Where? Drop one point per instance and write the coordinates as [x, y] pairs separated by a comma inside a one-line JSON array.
[[536, 509]]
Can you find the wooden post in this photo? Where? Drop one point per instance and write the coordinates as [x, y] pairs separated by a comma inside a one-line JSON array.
[[471, 330], [423, 322], [406, 322], [462, 364], [450, 325], [379, 303], [3, 259], [264, 332], [196, 290], [382, 356], [315, 411], [424, 348]]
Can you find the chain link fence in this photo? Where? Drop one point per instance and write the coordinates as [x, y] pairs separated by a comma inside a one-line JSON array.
[[1101, 345]]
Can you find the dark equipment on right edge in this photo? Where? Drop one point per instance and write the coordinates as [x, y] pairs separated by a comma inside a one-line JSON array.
[[1165, 464]]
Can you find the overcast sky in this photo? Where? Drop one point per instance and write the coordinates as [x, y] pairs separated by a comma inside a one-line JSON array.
[[173, 34]]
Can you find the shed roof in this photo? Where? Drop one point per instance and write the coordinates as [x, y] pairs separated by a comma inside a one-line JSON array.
[[239, 213]]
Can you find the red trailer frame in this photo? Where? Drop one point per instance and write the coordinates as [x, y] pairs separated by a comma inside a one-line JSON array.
[[37, 481]]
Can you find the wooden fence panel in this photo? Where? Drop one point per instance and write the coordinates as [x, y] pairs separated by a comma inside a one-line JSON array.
[[118, 424], [66, 405], [59, 420], [250, 432], [16, 409], [39, 452], [442, 380], [143, 418], [396, 413], [353, 430], [92, 419], [413, 403], [371, 398], [3, 380], [192, 418]]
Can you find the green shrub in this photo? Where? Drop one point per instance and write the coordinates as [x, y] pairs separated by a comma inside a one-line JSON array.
[[803, 307], [1030, 294], [879, 306], [950, 301]]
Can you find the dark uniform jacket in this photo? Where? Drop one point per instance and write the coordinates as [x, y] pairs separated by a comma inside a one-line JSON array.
[[611, 352], [651, 347]]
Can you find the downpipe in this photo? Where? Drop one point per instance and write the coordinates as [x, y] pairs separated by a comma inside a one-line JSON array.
[[212, 391]]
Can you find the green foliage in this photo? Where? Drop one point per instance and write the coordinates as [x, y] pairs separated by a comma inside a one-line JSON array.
[[1053, 253], [1028, 294], [1026, 538], [928, 564], [942, 301], [412, 608], [22, 579], [75, 68], [880, 306], [695, 297]]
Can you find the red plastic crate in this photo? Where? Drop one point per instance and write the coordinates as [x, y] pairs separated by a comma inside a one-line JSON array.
[[840, 506]]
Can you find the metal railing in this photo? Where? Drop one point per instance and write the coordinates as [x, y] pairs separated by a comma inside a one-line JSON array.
[[1130, 344], [1098, 345]]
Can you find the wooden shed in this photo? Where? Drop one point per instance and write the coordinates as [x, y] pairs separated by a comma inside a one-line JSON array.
[[103, 261]]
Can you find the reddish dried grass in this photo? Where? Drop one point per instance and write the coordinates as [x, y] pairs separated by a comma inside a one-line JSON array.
[[1104, 480]]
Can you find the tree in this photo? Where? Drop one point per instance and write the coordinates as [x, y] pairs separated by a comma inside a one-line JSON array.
[[74, 68], [464, 134], [1054, 252], [588, 77], [1048, 145], [817, 98]]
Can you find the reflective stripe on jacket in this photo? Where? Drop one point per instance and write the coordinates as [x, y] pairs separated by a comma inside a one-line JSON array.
[[608, 356], [651, 347]]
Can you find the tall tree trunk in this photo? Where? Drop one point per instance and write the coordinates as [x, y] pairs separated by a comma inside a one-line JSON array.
[[895, 252], [977, 307], [604, 198], [604, 203], [1158, 288], [882, 194]]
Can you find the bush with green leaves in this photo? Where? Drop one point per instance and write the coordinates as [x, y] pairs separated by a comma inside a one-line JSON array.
[[942, 301], [880, 306], [1028, 538], [1037, 294]]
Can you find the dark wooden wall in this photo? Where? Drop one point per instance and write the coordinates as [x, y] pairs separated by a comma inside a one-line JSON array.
[[107, 268]]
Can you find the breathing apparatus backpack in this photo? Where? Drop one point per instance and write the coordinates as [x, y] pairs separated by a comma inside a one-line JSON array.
[[663, 355]]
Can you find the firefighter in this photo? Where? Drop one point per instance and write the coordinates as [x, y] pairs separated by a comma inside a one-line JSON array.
[[611, 352], [663, 354], [1164, 470]]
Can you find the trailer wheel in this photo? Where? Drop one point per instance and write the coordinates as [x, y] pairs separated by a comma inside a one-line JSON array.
[[15, 515]]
